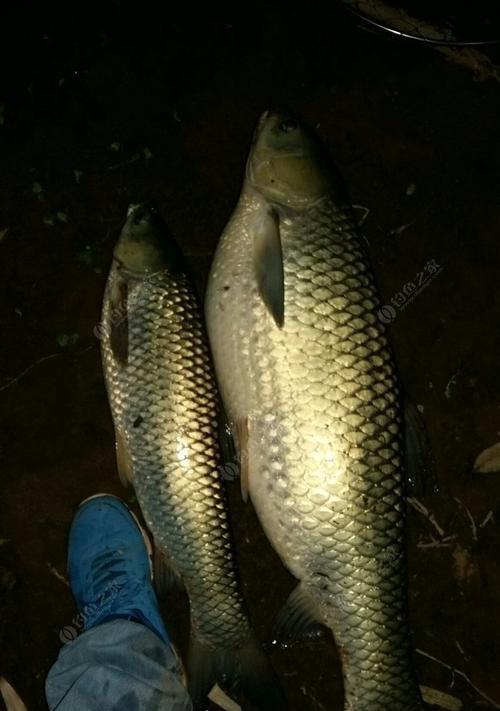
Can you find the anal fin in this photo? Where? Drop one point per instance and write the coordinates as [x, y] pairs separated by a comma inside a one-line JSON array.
[[242, 671]]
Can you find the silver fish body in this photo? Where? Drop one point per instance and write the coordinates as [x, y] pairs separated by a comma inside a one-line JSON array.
[[163, 399], [310, 389]]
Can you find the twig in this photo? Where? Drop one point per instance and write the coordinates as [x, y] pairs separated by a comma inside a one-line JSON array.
[[57, 574], [27, 370], [444, 543], [21, 375], [488, 518], [365, 210], [418, 506], [462, 674], [471, 519], [461, 650], [124, 163], [451, 381], [399, 230]]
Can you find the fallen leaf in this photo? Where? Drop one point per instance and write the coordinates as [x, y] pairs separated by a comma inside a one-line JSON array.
[[439, 698], [11, 698], [219, 697], [67, 339], [489, 460], [465, 567]]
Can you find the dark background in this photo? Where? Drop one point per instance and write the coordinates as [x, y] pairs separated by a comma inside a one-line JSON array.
[[107, 105]]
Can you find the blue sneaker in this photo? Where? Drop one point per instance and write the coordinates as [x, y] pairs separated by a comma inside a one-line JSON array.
[[109, 566]]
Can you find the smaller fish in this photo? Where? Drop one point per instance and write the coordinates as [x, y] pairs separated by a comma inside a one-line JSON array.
[[164, 402]]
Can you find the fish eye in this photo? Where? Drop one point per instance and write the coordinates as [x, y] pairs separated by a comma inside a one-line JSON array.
[[289, 125]]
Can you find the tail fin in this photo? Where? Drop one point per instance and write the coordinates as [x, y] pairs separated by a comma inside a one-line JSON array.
[[258, 682], [243, 671]]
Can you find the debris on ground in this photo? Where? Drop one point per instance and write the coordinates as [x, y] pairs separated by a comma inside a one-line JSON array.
[[57, 574], [434, 697], [10, 696], [488, 461], [457, 672], [67, 339], [465, 567], [219, 697]]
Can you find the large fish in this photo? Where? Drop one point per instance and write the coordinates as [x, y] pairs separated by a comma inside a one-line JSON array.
[[163, 399], [309, 385]]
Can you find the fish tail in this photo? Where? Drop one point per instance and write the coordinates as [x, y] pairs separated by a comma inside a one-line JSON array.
[[259, 683], [202, 665], [241, 671]]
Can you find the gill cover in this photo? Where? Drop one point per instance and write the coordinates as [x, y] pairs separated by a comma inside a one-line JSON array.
[[287, 163]]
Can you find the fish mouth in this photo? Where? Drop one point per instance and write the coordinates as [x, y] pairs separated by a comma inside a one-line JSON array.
[[282, 116], [142, 211]]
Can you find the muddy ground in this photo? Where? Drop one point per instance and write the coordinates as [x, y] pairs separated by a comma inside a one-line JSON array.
[[108, 107]]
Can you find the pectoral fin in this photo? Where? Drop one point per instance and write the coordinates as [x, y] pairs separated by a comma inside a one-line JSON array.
[[268, 262], [119, 322], [123, 460]]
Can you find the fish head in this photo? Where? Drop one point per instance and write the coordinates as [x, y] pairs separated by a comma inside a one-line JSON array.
[[145, 245], [287, 163]]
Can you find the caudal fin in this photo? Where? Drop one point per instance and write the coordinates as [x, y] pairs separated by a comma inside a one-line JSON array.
[[242, 672]]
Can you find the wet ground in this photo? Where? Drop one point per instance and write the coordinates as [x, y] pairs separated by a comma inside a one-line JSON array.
[[105, 109]]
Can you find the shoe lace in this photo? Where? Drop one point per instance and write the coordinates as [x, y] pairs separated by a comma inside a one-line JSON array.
[[107, 569]]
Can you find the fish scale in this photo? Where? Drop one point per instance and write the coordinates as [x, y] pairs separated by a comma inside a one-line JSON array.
[[319, 397]]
